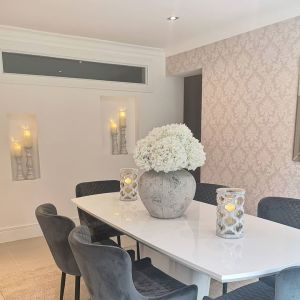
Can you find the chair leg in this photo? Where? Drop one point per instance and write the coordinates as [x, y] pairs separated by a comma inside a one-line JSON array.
[[225, 287], [77, 287], [138, 250], [62, 285], [119, 240]]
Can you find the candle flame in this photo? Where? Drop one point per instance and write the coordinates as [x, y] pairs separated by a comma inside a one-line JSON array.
[[230, 207], [113, 124], [127, 180], [26, 133], [122, 113], [16, 147]]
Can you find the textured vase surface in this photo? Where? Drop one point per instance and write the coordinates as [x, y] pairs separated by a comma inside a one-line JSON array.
[[167, 195]]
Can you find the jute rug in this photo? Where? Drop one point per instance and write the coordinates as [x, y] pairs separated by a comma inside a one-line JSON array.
[[38, 284]]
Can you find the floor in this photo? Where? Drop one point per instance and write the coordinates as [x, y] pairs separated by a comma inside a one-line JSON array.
[[28, 272]]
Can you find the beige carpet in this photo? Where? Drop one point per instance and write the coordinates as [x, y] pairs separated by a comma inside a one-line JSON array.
[[44, 284], [39, 284], [28, 272]]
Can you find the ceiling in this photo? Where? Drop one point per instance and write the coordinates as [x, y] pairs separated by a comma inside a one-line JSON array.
[[143, 22]]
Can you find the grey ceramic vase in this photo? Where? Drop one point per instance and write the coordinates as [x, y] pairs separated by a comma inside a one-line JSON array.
[[167, 195]]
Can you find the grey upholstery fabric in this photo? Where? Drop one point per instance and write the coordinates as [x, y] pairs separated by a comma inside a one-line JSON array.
[[109, 273], [56, 230], [287, 287], [98, 229], [288, 284], [207, 192], [281, 210], [254, 291]]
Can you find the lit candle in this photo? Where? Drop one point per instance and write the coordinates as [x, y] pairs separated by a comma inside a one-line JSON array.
[[16, 148], [113, 127], [230, 207], [122, 118], [127, 181], [129, 184], [27, 137]]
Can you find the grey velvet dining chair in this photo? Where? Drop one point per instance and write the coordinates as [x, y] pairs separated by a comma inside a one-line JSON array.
[[281, 210], [287, 287], [56, 230], [207, 192], [99, 230], [110, 274]]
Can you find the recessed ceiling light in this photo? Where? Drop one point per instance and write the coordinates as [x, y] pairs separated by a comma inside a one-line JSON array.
[[173, 18]]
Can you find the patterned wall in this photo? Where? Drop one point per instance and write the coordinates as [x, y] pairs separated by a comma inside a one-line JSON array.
[[249, 102]]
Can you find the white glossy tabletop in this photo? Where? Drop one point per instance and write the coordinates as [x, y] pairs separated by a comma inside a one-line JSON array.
[[267, 247]]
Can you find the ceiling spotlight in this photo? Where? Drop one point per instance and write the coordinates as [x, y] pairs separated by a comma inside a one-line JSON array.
[[173, 18]]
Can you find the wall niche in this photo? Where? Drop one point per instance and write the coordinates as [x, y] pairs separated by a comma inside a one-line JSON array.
[[118, 124], [23, 138]]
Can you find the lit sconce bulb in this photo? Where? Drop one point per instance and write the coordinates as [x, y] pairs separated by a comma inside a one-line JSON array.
[[27, 137], [122, 118], [113, 127], [16, 148]]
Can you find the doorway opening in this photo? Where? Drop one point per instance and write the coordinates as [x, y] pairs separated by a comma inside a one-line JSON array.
[[193, 109]]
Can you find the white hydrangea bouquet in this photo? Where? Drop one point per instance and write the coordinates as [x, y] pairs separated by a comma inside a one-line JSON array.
[[169, 148]]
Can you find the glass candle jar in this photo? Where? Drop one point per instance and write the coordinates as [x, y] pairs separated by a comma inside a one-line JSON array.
[[230, 213], [128, 184]]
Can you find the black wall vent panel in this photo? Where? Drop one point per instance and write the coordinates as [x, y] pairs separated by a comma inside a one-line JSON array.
[[16, 63]]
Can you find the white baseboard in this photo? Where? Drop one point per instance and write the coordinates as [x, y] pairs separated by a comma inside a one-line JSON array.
[[10, 234], [22, 232]]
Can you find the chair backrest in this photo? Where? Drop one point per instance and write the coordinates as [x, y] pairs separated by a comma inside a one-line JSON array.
[[97, 187], [107, 270], [56, 230], [281, 210], [207, 192], [287, 285], [98, 229]]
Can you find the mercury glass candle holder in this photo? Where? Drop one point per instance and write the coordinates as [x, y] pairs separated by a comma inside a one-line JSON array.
[[230, 213], [128, 184]]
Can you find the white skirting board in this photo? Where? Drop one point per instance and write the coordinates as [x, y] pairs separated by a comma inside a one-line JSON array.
[[10, 234], [23, 232]]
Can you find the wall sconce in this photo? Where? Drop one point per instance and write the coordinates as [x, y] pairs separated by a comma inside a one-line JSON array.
[[28, 144], [122, 126], [17, 152], [114, 137], [24, 146], [115, 131]]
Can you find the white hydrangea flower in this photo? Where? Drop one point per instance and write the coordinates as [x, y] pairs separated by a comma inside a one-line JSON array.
[[169, 148]]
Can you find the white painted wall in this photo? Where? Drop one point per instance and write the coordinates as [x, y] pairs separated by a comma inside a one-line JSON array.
[[69, 126]]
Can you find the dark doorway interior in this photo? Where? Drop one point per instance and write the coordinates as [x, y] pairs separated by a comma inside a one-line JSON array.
[[193, 109]]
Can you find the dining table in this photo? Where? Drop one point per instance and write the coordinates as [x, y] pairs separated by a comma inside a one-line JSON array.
[[187, 247]]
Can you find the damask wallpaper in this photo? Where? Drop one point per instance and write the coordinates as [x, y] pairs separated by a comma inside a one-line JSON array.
[[250, 86]]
